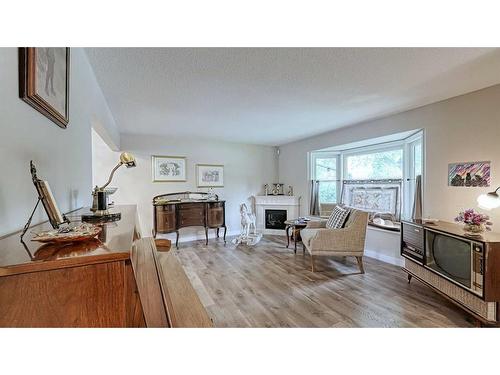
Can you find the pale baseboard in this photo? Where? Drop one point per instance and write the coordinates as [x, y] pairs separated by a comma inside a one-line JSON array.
[[384, 258]]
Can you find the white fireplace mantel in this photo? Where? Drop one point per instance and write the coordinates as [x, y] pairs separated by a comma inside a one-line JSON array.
[[275, 202]]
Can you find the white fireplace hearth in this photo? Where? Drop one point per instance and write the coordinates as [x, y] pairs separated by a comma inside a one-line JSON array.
[[275, 205]]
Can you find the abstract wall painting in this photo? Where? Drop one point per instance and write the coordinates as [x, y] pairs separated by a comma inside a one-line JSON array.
[[168, 168], [469, 174], [44, 81], [209, 175]]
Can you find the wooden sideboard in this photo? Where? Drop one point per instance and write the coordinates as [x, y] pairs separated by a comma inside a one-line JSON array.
[[174, 211], [116, 280]]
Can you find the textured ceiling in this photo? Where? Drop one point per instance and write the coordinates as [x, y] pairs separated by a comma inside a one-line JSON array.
[[277, 95]]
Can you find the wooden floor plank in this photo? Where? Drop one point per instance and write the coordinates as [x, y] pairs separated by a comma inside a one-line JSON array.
[[269, 286]]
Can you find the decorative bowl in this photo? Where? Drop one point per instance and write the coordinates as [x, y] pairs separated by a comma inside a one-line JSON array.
[[78, 233]]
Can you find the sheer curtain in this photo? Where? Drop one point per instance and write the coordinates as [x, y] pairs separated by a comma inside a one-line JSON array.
[[314, 203]]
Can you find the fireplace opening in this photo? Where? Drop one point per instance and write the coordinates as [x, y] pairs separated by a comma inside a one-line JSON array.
[[275, 219]]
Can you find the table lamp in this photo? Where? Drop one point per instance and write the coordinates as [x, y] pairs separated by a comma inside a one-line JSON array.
[[100, 194], [490, 200]]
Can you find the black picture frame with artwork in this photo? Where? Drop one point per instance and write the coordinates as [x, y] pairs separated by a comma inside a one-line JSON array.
[[51, 66]]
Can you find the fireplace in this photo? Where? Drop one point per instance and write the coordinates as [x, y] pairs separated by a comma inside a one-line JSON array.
[[275, 219], [287, 206]]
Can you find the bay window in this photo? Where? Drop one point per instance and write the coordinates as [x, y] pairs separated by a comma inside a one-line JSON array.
[[379, 177]]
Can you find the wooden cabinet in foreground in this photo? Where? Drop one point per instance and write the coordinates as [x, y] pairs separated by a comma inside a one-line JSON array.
[[117, 280]]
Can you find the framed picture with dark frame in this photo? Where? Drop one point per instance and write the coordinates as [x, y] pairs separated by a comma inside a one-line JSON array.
[[44, 81]]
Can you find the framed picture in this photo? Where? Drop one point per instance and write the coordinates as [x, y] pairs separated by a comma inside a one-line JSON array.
[[44, 81], [168, 168], [209, 175], [47, 198], [470, 174]]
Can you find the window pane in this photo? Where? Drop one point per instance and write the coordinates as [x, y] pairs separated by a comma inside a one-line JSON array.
[[417, 152], [376, 165], [328, 192], [326, 168]]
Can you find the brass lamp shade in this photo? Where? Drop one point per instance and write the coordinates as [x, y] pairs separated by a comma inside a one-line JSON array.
[[127, 159]]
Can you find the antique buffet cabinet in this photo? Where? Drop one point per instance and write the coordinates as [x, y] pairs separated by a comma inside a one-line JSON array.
[[174, 211]]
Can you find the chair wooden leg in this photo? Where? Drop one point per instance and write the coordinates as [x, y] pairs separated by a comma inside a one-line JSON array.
[[312, 263], [360, 264]]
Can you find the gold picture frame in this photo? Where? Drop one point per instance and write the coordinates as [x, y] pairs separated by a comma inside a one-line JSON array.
[[210, 175], [168, 168]]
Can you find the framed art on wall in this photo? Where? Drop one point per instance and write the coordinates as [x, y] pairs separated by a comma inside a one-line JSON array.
[[168, 168], [210, 175], [44, 81], [470, 174]]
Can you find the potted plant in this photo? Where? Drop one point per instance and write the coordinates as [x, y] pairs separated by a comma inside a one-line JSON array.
[[474, 222]]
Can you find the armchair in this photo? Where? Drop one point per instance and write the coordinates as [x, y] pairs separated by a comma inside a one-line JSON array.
[[347, 241]]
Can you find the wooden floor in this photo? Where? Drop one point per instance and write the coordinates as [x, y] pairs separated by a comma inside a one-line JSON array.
[[268, 286]]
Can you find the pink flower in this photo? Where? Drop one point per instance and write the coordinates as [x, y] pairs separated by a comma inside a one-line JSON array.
[[469, 216]]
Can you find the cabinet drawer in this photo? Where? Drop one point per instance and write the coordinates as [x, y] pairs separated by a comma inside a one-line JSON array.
[[165, 221], [191, 206], [190, 214], [191, 221], [165, 208], [215, 205], [413, 237], [215, 217]]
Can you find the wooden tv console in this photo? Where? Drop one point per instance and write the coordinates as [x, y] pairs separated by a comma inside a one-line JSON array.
[[116, 280], [482, 305], [174, 211]]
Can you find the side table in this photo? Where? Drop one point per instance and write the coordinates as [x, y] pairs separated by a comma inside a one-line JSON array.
[[295, 226]]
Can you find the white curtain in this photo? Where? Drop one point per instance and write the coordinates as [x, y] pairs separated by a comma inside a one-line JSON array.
[[314, 203]]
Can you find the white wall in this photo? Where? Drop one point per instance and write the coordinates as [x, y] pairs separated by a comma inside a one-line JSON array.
[[62, 156], [246, 169], [465, 128]]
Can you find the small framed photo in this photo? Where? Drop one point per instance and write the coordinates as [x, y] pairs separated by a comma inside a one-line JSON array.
[[168, 168], [209, 175], [44, 81]]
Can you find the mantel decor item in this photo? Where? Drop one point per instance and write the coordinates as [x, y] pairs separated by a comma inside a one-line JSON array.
[[266, 189], [490, 200], [470, 174], [45, 196], [100, 194], [474, 222], [44, 81], [277, 189], [168, 168], [210, 175]]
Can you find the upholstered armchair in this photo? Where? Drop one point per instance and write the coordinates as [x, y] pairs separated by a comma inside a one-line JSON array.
[[346, 241]]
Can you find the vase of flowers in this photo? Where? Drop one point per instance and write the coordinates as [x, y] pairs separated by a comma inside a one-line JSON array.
[[474, 222]]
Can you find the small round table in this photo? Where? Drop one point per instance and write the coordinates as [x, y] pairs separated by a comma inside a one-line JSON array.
[[296, 226]]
